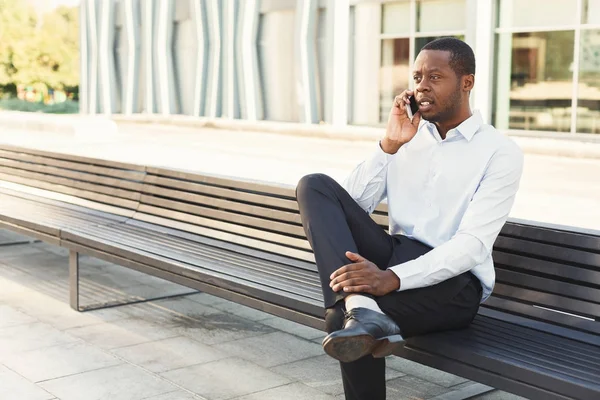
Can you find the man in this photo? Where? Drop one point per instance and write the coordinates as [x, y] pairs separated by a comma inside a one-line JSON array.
[[450, 181]]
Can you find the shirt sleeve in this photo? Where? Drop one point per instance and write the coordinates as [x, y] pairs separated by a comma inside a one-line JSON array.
[[367, 183], [485, 216]]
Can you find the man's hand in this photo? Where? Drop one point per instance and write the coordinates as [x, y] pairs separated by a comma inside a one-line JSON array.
[[400, 129], [362, 276]]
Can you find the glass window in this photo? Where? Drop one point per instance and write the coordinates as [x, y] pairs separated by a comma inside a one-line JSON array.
[[519, 13], [588, 102], [396, 18], [534, 80], [441, 15], [591, 12], [394, 73]]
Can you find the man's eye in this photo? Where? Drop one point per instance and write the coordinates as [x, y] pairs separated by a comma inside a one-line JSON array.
[[416, 78], [434, 77]]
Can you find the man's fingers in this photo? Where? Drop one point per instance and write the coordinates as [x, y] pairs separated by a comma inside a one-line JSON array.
[[416, 119], [344, 269], [354, 257], [358, 281], [358, 289]]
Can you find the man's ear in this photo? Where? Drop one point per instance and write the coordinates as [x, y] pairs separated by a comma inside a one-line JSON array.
[[468, 81]]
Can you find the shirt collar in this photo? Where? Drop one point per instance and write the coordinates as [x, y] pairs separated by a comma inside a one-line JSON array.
[[468, 128]]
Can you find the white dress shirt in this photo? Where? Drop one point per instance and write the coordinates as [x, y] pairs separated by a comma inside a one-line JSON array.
[[453, 195]]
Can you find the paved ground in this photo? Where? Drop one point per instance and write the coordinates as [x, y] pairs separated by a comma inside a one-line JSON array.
[[559, 190], [188, 347]]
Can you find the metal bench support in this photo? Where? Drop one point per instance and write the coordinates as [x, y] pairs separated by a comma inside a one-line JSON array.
[[74, 290]]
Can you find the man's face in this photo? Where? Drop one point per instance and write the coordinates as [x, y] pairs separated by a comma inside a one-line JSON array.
[[437, 88]]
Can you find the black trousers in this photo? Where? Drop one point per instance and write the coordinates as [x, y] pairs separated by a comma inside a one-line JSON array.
[[334, 223]]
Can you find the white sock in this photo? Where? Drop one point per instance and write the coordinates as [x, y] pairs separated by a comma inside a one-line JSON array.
[[357, 300]]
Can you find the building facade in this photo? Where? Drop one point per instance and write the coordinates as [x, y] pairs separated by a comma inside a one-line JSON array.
[[338, 62]]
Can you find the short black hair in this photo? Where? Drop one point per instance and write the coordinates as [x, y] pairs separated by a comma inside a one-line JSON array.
[[462, 58]]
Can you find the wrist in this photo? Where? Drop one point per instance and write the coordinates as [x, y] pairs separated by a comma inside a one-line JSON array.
[[388, 147], [392, 281]]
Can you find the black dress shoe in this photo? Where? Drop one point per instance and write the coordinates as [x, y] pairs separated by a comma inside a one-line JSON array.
[[365, 332]]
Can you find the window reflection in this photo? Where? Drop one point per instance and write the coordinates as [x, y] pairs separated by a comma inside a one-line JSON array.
[[534, 81], [441, 15], [588, 90], [591, 12], [394, 74]]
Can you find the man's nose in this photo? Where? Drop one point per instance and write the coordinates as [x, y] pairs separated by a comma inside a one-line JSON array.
[[422, 86]]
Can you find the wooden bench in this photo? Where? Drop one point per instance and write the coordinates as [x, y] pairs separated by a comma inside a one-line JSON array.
[[537, 336]]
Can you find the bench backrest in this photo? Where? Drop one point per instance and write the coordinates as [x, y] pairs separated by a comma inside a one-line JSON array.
[[548, 273], [99, 184], [253, 214]]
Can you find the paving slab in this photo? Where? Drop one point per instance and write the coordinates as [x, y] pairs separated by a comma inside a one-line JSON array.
[[242, 311], [272, 349], [293, 391], [37, 335], [177, 395], [121, 382], [219, 328], [121, 333], [322, 373], [293, 328], [226, 379], [168, 354], [58, 361], [411, 387], [10, 317], [498, 395], [424, 372], [169, 313], [14, 386]]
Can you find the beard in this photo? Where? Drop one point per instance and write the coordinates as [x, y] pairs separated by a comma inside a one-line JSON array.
[[451, 107]]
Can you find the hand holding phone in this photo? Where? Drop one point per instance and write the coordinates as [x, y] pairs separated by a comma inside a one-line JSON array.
[[403, 122]]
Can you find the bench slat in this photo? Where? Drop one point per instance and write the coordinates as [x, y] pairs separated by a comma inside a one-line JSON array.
[[80, 185], [225, 246], [228, 237], [562, 288], [215, 191], [79, 176], [224, 216], [548, 252], [224, 226], [95, 166], [552, 236], [551, 270], [238, 183], [541, 314], [257, 210], [553, 301]]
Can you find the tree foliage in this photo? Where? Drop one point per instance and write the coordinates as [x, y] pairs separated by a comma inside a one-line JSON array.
[[38, 49]]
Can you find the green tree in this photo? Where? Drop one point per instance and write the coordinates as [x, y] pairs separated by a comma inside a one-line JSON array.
[[42, 53], [17, 29]]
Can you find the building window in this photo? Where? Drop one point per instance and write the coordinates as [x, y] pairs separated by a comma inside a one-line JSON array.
[[548, 66], [406, 27]]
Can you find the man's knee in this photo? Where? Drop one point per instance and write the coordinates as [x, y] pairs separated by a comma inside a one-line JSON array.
[[334, 318], [311, 183]]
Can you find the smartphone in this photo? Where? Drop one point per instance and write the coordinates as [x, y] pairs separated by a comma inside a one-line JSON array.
[[412, 108]]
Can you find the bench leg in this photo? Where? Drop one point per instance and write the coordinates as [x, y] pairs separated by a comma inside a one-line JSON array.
[[74, 290], [74, 279]]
